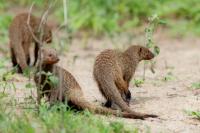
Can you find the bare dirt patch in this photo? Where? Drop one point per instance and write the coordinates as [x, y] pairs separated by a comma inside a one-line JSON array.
[[168, 99]]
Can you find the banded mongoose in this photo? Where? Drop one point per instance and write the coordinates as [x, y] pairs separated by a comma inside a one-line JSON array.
[[113, 71], [21, 39]]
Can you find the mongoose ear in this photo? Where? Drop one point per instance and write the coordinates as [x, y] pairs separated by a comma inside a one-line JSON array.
[[140, 51]]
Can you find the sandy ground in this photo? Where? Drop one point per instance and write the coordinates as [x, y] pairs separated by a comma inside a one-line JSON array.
[[168, 99]]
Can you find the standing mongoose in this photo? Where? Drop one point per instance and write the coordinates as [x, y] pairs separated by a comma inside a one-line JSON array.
[[113, 71], [68, 88], [21, 39]]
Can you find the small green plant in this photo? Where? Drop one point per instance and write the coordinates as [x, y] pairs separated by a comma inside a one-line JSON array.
[[154, 21], [169, 77], [6, 82], [29, 85], [195, 85], [50, 79], [118, 127], [138, 82], [53, 80], [195, 114], [28, 72], [8, 75]]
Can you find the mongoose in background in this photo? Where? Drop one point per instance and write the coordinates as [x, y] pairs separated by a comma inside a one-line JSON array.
[[69, 89], [21, 39], [113, 71]]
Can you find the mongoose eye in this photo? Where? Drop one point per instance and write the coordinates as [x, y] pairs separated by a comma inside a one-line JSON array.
[[50, 55]]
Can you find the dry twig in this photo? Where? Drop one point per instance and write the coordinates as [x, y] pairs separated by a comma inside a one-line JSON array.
[[39, 41]]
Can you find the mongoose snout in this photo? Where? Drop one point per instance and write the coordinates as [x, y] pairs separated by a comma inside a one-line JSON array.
[[145, 54], [49, 56]]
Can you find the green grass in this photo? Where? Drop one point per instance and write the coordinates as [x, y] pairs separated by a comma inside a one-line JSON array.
[[119, 16], [57, 119], [114, 16]]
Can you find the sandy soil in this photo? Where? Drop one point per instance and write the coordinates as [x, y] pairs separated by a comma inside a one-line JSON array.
[[168, 99]]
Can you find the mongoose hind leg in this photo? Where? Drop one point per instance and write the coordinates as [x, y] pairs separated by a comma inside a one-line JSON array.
[[127, 97], [108, 104], [36, 53], [14, 62]]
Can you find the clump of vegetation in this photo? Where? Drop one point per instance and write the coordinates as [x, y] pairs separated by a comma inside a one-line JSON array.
[[150, 29], [195, 85], [5, 81], [169, 77], [50, 79], [153, 23], [195, 114], [118, 16], [138, 82]]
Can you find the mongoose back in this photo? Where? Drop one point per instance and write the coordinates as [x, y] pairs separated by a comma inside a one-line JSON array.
[[68, 88], [21, 39], [113, 71]]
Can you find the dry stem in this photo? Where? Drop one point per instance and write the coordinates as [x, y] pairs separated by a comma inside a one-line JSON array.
[[39, 41]]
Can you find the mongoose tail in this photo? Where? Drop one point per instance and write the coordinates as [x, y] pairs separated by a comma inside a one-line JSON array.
[[81, 103]]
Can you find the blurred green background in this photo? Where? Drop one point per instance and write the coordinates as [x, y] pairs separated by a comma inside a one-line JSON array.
[[112, 16]]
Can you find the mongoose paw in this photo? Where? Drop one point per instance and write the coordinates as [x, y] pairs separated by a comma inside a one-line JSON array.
[[108, 104], [19, 70], [126, 96]]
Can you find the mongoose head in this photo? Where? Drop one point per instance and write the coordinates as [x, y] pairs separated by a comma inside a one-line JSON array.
[[145, 53], [49, 56]]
